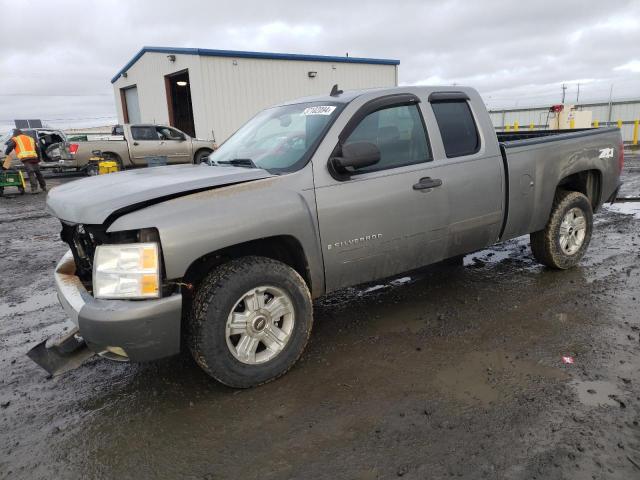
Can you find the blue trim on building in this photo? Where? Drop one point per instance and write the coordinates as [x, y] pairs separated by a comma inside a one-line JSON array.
[[205, 52]]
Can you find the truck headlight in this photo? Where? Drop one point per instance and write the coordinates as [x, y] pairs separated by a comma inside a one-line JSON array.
[[130, 270]]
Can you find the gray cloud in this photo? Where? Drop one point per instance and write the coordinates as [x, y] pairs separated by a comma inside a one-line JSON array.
[[513, 52]]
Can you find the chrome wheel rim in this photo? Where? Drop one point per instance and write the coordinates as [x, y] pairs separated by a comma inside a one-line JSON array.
[[260, 325], [573, 231]]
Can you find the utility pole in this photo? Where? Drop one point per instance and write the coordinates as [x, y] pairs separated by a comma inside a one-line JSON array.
[[564, 89], [578, 95]]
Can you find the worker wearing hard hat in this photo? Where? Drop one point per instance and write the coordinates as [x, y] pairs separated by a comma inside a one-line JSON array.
[[27, 152]]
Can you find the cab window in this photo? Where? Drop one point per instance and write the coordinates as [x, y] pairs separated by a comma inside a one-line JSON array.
[[166, 133], [144, 133], [399, 134], [457, 128]]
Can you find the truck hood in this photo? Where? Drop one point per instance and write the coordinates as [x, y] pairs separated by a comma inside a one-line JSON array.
[[92, 200]]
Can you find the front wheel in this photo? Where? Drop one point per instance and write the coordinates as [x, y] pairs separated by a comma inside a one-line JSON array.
[[250, 321], [201, 156], [566, 237]]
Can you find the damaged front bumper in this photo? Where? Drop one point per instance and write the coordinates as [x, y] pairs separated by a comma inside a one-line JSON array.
[[136, 330]]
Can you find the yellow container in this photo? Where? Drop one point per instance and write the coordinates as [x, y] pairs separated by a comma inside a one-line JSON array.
[[107, 167]]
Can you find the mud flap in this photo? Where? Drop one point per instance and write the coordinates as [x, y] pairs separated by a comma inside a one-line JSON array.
[[59, 354]]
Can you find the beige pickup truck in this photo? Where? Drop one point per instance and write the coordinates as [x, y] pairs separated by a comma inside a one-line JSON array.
[[131, 145]]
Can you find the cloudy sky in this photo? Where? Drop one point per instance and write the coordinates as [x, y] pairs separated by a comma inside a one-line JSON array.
[[58, 57]]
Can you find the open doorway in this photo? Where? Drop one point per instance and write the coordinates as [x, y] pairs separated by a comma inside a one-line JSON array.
[[178, 89]]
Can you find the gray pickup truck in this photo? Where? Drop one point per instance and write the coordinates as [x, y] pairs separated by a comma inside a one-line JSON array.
[[308, 197]]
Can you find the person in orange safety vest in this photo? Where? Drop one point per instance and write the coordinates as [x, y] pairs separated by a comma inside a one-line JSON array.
[[27, 151]]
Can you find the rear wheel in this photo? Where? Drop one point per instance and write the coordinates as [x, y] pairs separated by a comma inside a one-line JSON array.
[[566, 237], [250, 321]]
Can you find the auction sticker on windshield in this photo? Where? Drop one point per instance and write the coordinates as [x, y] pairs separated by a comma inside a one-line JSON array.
[[319, 110]]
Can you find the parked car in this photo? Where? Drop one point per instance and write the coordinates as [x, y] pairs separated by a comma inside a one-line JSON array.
[[373, 183], [50, 141], [130, 145]]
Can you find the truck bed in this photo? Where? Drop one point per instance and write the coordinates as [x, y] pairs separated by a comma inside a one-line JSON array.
[[534, 162]]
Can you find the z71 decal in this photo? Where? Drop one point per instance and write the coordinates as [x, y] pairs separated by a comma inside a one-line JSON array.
[[606, 153]]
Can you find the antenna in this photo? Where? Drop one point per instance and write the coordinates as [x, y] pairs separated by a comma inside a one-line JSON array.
[[335, 91]]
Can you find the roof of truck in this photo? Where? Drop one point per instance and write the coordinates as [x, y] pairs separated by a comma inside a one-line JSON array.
[[349, 95], [207, 52]]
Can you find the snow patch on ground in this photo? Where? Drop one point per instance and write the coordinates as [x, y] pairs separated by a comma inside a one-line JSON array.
[[627, 208]]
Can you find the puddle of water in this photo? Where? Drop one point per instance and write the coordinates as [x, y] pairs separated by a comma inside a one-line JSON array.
[[596, 393], [35, 302], [487, 377], [626, 208]]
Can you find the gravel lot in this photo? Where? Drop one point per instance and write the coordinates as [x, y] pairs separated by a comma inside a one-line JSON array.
[[444, 372]]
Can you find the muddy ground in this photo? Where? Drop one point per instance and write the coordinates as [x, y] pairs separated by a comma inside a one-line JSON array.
[[445, 372]]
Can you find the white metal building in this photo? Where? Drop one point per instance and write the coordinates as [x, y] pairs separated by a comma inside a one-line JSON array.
[[210, 93]]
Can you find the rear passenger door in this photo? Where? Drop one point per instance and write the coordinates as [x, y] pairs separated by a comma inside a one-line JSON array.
[[474, 174], [389, 217]]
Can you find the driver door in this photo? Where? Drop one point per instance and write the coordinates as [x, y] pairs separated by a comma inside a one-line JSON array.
[[174, 145], [389, 217]]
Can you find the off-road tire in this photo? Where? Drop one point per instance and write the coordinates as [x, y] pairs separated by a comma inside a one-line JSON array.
[[214, 299], [545, 244]]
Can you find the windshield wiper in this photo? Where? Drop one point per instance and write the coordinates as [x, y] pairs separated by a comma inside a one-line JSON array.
[[238, 162]]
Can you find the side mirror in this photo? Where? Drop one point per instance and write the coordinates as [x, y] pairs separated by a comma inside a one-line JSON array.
[[357, 155]]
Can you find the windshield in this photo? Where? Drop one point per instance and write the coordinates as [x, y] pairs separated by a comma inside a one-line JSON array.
[[279, 139]]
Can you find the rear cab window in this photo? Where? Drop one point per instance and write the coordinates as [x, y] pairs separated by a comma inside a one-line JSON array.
[[457, 127]]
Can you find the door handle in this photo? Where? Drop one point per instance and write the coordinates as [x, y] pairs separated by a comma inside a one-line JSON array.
[[136, 143], [427, 182]]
